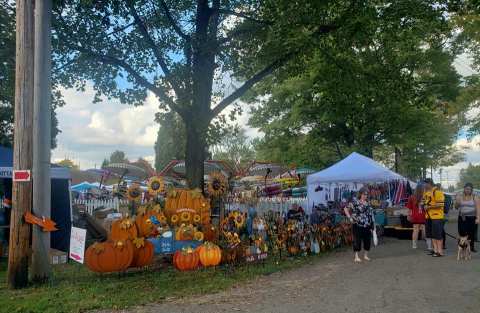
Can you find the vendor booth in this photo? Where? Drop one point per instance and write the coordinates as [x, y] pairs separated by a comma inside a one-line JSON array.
[[350, 173], [60, 197]]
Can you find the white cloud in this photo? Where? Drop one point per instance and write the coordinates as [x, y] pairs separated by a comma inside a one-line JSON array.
[[91, 131]]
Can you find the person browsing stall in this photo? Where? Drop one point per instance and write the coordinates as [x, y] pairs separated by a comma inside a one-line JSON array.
[[433, 204], [417, 215], [360, 214], [468, 214]]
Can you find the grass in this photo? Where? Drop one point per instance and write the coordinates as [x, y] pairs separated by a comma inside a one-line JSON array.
[[74, 289]]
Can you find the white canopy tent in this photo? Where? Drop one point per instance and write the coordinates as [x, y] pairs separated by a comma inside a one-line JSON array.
[[354, 169]]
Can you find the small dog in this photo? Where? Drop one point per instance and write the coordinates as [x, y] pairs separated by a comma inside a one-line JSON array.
[[464, 252]]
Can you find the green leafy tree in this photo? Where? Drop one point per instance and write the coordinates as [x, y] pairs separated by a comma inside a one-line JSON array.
[[185, 51], [118, 156], [381, 89], [234, 148], [7, 79], [170, 144], [105, 163], [471, 174]]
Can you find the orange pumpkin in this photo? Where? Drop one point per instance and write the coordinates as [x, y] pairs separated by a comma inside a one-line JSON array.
[[187, 204], [123, 229], [109, 256], [145, 226], [210, 254], [143, 252], [186, 259]]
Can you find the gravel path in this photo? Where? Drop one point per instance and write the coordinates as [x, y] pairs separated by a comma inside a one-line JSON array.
[[397, 280]]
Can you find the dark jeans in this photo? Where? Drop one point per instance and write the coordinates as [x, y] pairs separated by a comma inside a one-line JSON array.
[[466, 227], [361, 235]]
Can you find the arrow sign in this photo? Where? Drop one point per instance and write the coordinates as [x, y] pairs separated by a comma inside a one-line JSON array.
[[21, 175], [46, 224]]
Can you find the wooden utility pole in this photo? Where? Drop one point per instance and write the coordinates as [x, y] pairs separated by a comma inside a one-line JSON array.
[[40, 270], [22, 154]]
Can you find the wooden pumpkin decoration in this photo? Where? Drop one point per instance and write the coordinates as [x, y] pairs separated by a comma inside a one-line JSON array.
[[187, 204], [210, 254], [123, 229], [143, 252], [109, 256], [186, 259], [144, 223]]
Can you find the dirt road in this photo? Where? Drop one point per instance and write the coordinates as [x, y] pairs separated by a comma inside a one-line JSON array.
[[397, 280]]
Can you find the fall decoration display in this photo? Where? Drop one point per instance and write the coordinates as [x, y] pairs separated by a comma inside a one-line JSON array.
[[186, 204], [145, 222], [143, 252], [217, 186], [210, 254], [185, 232], [134, 193], [210, 232], [156, 185], [123, 229], [186, 259], [109, 256]]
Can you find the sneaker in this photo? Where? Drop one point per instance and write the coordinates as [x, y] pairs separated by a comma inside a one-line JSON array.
[[437, 255], [430, 252], [414, 245]]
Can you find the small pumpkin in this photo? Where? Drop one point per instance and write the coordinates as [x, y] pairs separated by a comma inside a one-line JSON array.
[[186, 259], [143, 252], [109, 256], [210, 254], [123, 229]]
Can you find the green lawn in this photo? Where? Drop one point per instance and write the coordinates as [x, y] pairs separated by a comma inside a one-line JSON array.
[[74, 289]]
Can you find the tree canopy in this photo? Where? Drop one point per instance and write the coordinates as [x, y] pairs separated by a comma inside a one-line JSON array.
[[387, 91], [118, 156]]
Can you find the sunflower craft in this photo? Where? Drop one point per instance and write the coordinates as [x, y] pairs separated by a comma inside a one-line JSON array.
[[156, 185], [134, 193], [217, 186]]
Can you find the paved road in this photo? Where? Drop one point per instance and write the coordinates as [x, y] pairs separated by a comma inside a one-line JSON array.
[[397, 280]]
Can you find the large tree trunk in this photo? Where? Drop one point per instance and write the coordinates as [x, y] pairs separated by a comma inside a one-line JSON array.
[[195, 156]]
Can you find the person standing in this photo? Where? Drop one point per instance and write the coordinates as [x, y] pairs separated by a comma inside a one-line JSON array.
[[360, 214], [468, 214], [433, 204], [417, 215]]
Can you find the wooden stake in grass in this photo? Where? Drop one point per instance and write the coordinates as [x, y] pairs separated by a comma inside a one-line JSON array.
[[22, 154]]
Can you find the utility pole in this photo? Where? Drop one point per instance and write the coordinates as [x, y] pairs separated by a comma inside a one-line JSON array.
[[17, 276], [40, 270]]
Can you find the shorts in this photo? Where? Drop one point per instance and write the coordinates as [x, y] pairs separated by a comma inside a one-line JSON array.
[[434, 229]]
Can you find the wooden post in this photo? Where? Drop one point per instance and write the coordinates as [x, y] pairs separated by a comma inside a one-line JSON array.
[[17, 276], [40, 270]]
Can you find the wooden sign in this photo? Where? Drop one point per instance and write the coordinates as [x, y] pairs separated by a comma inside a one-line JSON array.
[[45, 223]]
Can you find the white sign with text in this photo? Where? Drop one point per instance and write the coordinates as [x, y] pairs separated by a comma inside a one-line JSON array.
[[77, 244]]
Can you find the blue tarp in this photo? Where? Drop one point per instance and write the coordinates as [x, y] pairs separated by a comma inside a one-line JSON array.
[[83, 187]]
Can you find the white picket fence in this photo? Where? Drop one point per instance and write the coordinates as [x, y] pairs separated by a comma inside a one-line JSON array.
[[91, 205]]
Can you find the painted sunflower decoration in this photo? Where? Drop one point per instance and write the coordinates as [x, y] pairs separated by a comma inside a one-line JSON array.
[[156, 185], [134, 193], [218, 184]]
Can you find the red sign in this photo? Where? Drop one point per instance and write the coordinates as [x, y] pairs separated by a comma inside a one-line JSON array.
[[21, 175]]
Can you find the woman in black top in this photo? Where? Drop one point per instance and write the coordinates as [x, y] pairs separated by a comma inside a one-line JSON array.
[[360, 213]]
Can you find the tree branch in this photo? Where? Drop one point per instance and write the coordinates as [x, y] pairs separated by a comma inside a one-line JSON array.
[[158, 55], [243, 15], [249, 83], [174, 24]]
